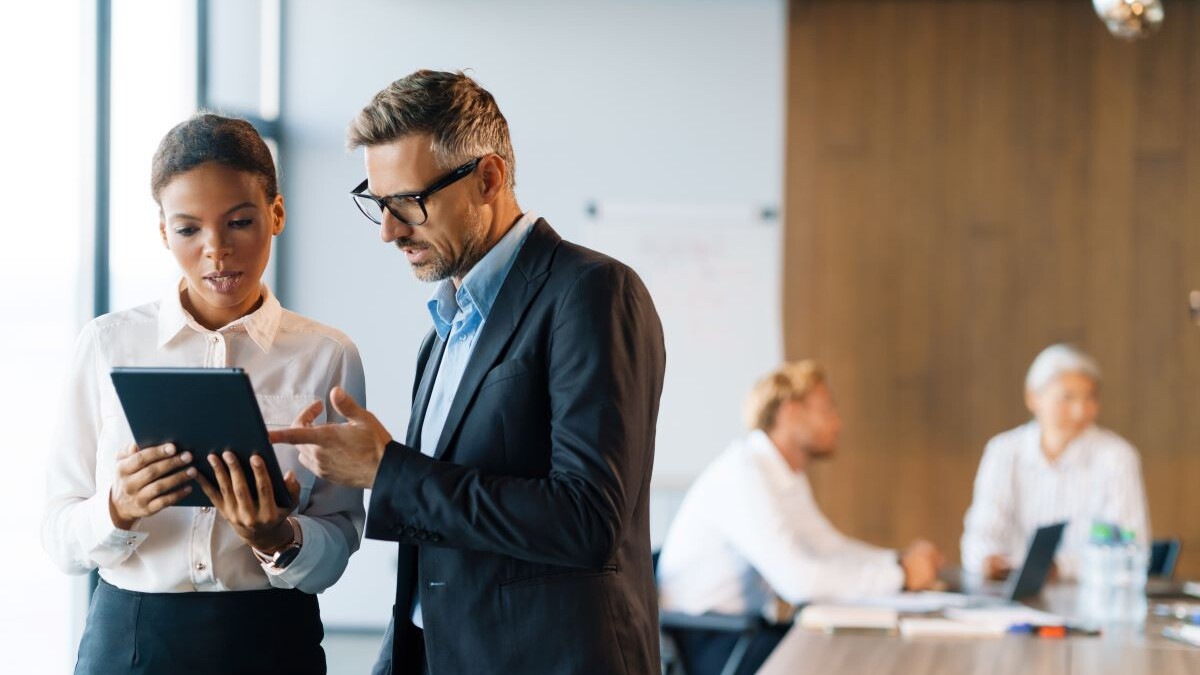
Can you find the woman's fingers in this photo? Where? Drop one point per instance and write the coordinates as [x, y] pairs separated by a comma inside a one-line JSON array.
[[136, 460], [153, 494], [128, 451], [159, 503], [222, 475], [241, 489], [168, 483], [157, 477], [131, 460], [214, 495], [161, 467], [266, 493]]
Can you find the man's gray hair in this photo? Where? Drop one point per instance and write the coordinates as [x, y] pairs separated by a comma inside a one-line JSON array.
[[1056, 361], [461, 117]]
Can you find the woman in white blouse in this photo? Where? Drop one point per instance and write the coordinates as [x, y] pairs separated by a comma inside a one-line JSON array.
[[228, 588], [1058, 467]]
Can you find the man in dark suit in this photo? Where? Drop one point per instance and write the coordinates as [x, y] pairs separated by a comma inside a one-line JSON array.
[[519, 497]]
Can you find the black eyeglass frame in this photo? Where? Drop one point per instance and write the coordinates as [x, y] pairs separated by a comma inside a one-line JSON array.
[[418, 197]]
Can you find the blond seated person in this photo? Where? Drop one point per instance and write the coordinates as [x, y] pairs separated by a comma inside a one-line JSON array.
[[749, 530], [1060, 466]]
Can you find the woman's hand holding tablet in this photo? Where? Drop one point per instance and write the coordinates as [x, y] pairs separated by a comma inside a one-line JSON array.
[[260, 522], [147, 482]]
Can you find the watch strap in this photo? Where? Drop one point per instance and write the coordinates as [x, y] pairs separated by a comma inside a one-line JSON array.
[[284, 556]]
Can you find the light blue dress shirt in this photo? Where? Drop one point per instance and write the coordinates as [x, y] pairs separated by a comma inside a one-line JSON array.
[[458, 317]]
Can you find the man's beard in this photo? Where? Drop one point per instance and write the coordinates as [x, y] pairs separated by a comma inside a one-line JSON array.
[[438, 267], [819, 453]]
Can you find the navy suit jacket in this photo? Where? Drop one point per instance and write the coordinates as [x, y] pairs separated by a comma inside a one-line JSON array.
[[527, 532]]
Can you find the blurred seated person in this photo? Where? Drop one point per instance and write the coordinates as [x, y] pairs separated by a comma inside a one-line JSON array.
[[1058, 467], [749, 532]]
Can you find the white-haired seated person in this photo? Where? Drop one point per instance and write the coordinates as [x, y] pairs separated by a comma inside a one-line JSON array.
[[1059, 466]]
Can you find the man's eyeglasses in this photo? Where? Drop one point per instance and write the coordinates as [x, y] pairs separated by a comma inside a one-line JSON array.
[[407, 207]]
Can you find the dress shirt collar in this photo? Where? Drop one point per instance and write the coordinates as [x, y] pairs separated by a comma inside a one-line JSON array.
[[261, 325], [482, 284], [761, 445], [1076, 449]]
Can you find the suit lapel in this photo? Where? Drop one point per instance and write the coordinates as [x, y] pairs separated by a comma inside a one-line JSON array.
[[430, 361], [524, 281]]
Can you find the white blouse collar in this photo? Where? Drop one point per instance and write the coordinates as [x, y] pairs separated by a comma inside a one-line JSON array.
[[261, 325]]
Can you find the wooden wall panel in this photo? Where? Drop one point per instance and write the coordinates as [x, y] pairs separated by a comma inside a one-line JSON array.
[[968, 181]]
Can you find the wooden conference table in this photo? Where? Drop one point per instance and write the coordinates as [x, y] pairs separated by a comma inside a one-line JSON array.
[[1127, 651]]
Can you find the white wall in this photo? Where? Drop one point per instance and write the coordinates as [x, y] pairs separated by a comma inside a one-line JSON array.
[[660, 102]]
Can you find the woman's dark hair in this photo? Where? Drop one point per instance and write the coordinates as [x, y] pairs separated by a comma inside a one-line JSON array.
[[206, 137]]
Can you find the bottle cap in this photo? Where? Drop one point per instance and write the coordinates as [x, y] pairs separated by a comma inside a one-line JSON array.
[[1102, 533]]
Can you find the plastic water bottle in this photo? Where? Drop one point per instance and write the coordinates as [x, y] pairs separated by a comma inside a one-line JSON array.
[[1096, 575], [1129, 597], [1112, 579]]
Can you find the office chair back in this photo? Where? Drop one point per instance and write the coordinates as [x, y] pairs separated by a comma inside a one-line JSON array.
[[729, 638]]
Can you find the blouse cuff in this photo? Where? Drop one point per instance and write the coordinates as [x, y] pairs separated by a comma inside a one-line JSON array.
[[109, 545]]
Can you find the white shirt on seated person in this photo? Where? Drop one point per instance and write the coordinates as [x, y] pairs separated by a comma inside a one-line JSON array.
[[1097, 478], [1058, 467], [749, 531]]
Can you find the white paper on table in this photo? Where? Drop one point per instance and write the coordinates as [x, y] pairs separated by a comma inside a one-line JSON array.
[[919, 626], [1190, 632], [830, 617], [1004, 617], [912, 603]]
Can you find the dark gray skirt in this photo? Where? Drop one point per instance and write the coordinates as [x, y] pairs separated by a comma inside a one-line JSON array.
[[267, 632]]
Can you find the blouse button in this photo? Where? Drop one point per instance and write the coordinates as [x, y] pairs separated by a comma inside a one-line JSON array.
[[200, 567]]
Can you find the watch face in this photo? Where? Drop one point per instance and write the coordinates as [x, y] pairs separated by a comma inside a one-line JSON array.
[[286, 556]]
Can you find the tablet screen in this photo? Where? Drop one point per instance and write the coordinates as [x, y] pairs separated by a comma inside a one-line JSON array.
[[202, 411]]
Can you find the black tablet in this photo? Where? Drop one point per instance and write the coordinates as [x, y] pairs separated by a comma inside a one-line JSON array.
[[1027, 582], [201, 411]]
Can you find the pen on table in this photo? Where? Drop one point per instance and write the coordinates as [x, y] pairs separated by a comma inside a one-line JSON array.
[[1051, 632]]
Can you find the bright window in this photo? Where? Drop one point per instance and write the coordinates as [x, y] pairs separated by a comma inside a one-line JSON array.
[[44, 297], [153, 89]]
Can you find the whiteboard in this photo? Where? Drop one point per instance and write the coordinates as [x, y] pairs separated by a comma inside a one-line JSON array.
[[715, 277]]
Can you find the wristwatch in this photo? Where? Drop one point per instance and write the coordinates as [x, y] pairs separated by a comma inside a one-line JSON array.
[[279, 560]]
